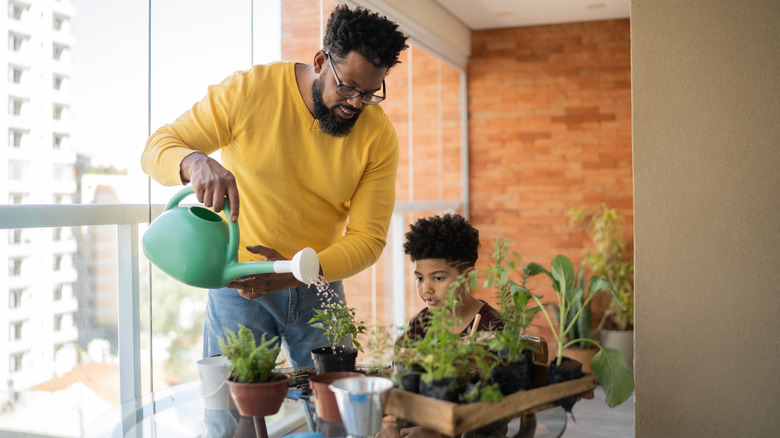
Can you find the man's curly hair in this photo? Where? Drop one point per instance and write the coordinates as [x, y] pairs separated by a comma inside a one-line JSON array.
[[373, 36], [449, 236]]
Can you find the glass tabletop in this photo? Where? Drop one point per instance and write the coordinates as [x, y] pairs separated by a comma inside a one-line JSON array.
[[179, 412]]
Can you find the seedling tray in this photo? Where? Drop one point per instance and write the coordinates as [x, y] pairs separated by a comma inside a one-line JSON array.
[[453, 419]]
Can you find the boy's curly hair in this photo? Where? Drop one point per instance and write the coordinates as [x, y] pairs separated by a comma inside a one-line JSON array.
[[449, 236], [373, 36]]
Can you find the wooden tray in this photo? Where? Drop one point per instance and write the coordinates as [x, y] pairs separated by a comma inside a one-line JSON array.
[[453, 419]]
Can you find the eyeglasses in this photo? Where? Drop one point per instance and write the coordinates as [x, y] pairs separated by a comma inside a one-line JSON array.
[[351, 93]]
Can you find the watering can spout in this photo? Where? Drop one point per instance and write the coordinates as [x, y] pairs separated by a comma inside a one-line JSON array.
[[304, 266], [198, 247]]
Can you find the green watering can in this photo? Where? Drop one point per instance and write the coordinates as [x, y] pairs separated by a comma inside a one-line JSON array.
[[198, 247]]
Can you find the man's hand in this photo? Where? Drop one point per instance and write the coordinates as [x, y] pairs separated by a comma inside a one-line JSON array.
[[211, 182], [260, 285]]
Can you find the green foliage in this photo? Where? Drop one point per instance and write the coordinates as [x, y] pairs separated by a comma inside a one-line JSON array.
[[608, 364], [338, 321], [251, 363], [443, 352], [512, 300], [608, 259], [379, 343], [580, 316]]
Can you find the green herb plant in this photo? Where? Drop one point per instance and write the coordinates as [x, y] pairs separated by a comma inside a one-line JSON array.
[[251, 363], [338, 322], [379, 344], [512, 300], [443, 353]]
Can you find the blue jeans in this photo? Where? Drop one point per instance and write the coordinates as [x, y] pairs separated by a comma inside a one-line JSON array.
[[285, 314]]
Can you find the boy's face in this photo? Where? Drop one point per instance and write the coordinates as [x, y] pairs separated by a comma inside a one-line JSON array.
[[432, 279]]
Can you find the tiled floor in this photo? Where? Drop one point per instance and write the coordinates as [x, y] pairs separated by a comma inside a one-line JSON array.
[[595, 419]]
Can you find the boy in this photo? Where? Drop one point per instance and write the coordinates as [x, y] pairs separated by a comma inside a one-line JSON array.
[[442, 248]]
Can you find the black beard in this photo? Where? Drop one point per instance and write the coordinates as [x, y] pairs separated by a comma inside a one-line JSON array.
[[328, 122]]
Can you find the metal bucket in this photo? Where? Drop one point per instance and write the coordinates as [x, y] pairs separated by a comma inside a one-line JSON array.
[[361, 403]]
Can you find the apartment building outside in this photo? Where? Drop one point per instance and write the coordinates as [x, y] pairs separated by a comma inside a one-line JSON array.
[[38, 303]]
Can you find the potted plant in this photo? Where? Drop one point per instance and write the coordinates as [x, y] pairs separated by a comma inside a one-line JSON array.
[[580, 318], [514, 362], [444, 364], [608, 364], [342, 328], [256, 385], [608, 259]]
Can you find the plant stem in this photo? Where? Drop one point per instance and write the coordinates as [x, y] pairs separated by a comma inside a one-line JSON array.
[[558, 339]]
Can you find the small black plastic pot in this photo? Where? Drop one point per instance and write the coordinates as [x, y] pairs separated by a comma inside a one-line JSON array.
[[515, 376], [569, 369], [326, 360], [407, 378], [447, 389]]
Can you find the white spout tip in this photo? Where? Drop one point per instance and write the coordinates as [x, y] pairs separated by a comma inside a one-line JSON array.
[[306, 266]]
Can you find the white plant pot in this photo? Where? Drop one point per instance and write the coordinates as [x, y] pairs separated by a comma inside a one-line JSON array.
[[623, 341]]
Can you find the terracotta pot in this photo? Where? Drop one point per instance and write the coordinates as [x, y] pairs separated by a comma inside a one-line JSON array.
[[326, 360], [259, 399], [582, 355], [324, 399]]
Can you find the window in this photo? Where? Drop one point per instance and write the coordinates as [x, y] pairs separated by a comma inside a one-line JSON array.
[[57, 81], [58, 21], [57, 140], [57, 323], [15, 198], [15, 106], [15, 42], [15, 138], [15, 237], [15, 331], [15, 267], [57, 51], [57, 292], [57, 265], [59, 109], [57, 234], [16, 75], [15, 11], [15, 298], [16, 362]]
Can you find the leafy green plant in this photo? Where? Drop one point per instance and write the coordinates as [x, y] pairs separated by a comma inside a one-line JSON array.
[[338, 321], [608, 259], [579, 317], [608, 364], [379, 343], [251, 363], [512, 300]]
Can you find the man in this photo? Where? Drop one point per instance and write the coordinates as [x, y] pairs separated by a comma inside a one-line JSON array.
[[312, 160]]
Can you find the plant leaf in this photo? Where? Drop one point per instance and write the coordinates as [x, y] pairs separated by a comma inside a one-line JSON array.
[[599, 283], [610, 368], [562, 272], [532, 269]]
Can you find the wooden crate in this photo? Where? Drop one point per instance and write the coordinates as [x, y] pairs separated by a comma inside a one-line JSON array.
[[453, 419]]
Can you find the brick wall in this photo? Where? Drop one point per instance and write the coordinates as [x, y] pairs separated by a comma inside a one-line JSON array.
[[549, 131]]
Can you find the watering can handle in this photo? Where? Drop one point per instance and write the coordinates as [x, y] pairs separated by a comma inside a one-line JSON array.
[[231, 254]]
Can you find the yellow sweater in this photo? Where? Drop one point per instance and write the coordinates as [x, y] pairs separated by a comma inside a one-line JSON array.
[[298, 187]]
